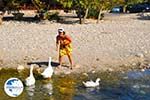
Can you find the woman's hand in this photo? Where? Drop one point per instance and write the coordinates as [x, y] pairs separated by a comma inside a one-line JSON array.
[[66, 42]]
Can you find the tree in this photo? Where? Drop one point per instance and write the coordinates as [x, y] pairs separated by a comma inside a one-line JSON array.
[[12, 4], [133, 1], [73, 4], [86, 5], [83, 6], [77, 4], [101, 5], [66, 3], [41, 6]]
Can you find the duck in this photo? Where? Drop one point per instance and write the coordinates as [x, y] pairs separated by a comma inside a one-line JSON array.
[[48, 72], [30, 81], [90, 84]]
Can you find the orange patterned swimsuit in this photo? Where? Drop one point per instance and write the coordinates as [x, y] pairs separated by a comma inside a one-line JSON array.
[[65, 45]]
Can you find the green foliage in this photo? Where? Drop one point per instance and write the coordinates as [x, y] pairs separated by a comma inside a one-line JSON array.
[[40, 5], [101, 4], [93, 13], [83, 3], [66, 3], [13, 3], [51, 16], [134, 1]]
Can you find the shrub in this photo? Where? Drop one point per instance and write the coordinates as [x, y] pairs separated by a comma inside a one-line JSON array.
[[93, 13], [51, 16]]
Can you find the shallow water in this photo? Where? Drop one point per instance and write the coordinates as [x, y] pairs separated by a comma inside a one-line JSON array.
[[133, 85]]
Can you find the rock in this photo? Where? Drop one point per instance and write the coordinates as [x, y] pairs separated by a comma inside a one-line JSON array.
[[148, 66], [77, 66], [145, 52], [133, 64], [85, 74], [126, 65], [20, 68], [67, 72], [122, 72], [39, 70], [93, 71], [140, 55], [110, 70], [97, 59], [1, 62], [35, 66], [142, 70], [126, 77]]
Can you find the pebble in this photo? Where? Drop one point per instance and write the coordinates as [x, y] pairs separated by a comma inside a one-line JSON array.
[[110, 70], [133, 64], [67, 72], [85, 74], [140, 55], [36, 66], [93, 71], [39, 70], [20, 68], [142, 70], [77, 66]]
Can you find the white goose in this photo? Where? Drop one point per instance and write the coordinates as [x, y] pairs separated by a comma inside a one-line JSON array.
[[48, 72], [91, 83], [29, 81]]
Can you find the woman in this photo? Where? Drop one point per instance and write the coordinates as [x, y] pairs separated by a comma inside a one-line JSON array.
[[64, 46]]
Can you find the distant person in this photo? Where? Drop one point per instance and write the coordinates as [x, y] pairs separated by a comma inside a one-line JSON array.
[[64, 46]]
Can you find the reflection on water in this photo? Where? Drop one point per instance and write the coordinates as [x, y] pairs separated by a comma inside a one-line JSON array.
[[47, 88], [30, 91], [134, 85]]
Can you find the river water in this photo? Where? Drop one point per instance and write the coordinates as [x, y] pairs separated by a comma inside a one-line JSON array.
[[132, 85]]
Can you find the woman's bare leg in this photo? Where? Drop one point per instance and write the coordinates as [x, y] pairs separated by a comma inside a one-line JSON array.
[[70, 60], [60, 61]]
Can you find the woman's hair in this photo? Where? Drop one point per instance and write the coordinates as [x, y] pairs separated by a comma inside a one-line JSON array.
[[64, 32]]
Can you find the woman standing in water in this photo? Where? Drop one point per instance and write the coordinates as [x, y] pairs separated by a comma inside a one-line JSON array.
[[64, 46]]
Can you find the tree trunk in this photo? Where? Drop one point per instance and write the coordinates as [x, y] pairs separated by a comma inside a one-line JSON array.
[[86, 14], [36, 6], [80, 19], [99, 15], [80, 16], [124, 8], [1, 19]]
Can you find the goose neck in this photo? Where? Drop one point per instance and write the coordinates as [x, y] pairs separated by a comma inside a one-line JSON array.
[[31, 72]]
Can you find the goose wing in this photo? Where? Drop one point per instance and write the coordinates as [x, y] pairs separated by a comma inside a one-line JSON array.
[[30, 81], [47, 72], [89, 83]]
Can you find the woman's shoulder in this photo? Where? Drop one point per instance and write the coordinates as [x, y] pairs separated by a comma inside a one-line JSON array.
[[57, 36], [67, 36]]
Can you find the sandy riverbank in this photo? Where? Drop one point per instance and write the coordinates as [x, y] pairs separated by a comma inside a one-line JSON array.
[[121, 40]]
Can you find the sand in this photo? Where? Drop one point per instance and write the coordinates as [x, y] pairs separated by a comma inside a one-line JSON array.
[[116, 41]]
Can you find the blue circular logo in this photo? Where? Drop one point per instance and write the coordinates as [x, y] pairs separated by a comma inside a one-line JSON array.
[[13, 87]]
